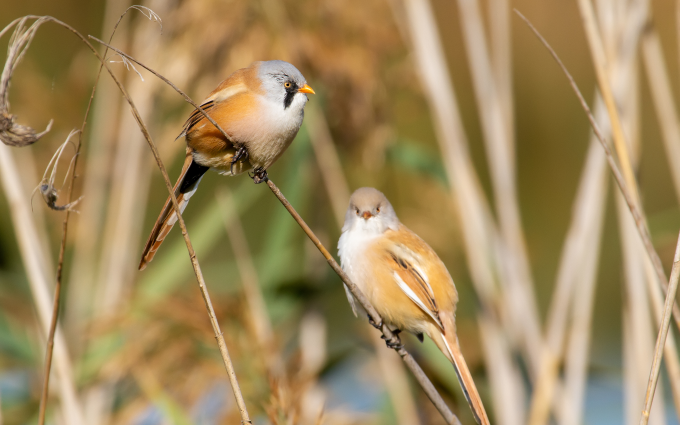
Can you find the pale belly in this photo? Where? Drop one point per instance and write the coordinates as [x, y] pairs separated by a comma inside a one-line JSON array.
[[375, 281], [263, 154]]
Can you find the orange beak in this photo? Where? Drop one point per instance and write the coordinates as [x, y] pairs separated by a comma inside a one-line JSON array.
[[366, 215], [306, 89]]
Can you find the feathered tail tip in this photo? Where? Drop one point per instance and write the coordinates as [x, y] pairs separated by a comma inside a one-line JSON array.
[[450, 342]]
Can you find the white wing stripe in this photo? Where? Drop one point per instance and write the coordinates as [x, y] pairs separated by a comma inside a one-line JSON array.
[[412, 295], [414, 260]]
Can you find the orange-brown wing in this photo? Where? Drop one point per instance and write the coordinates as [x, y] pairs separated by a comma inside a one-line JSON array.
[[196, 116], [410, 274], [236, 83]]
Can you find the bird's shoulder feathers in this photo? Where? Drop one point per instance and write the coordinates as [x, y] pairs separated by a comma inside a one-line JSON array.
[[417, 271]]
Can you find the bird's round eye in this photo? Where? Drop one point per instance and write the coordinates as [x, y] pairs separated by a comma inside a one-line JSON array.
[[287, 84], [378, 209], [357, 210]]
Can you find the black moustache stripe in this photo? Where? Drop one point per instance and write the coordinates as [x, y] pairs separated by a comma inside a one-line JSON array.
[[290, 94]]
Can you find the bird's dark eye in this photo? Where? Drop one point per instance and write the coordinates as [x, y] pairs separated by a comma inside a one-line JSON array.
[[287, 84], [357, 210], [377, 209]]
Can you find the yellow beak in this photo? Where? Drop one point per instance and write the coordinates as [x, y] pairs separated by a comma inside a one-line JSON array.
[[306, 89]]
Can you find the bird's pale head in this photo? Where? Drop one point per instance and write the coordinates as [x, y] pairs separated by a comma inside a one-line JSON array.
[[283, 83], [370, 211]]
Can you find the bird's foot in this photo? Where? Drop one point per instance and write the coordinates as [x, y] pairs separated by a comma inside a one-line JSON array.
[[395, 341], [241, 154], [378, 326], [259, 175]]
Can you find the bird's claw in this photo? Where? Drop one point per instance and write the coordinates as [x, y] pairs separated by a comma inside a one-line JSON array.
[[259, 175], [241, 154], [395, 341], [372, 322]]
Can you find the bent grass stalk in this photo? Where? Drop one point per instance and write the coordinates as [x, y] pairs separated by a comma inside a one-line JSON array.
[[633, 205], [663, 332], [62, 247], [192, 255]]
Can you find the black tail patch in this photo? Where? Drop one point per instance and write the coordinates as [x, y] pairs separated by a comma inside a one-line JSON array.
[[194, 173]]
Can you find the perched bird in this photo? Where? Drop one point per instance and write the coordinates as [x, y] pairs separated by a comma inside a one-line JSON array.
[[261, 109], [404, 280]]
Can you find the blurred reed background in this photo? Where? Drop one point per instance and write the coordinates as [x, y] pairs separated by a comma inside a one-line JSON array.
[[453, 109]]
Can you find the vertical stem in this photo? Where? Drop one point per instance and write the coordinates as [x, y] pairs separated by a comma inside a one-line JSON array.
[[599, 58], [663, 332], [50, 337], [34, 259]]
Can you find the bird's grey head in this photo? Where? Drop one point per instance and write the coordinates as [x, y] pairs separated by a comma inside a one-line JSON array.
[[283, 83], [369, 210]]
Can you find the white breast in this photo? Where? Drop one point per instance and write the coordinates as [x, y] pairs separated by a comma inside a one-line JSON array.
[[276, 130], [352, 251]]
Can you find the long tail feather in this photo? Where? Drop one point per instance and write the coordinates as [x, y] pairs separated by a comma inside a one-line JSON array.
[[185, 187], [452, 350]]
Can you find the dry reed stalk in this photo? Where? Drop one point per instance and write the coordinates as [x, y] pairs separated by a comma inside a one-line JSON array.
[[396, 383], [588, 212], [501, 60], [635, 19], [632, 388], [39, 279], [97, 168], [599, 58], [130, 180], [626, 180], [576, 362], [251, 287], [479, 233], [638, 321], [313, 356], [129, 175], [662, 97], [580, 250], [671, 360], [640, 223], [18, 46], [28, 172], [57, 287], [338, 192], [499, 141], [502, 372], [192, 255], [663, 332], [389, 337], [633, 206], [677, 28], [332, 175], [106, 113], [197, 270]]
